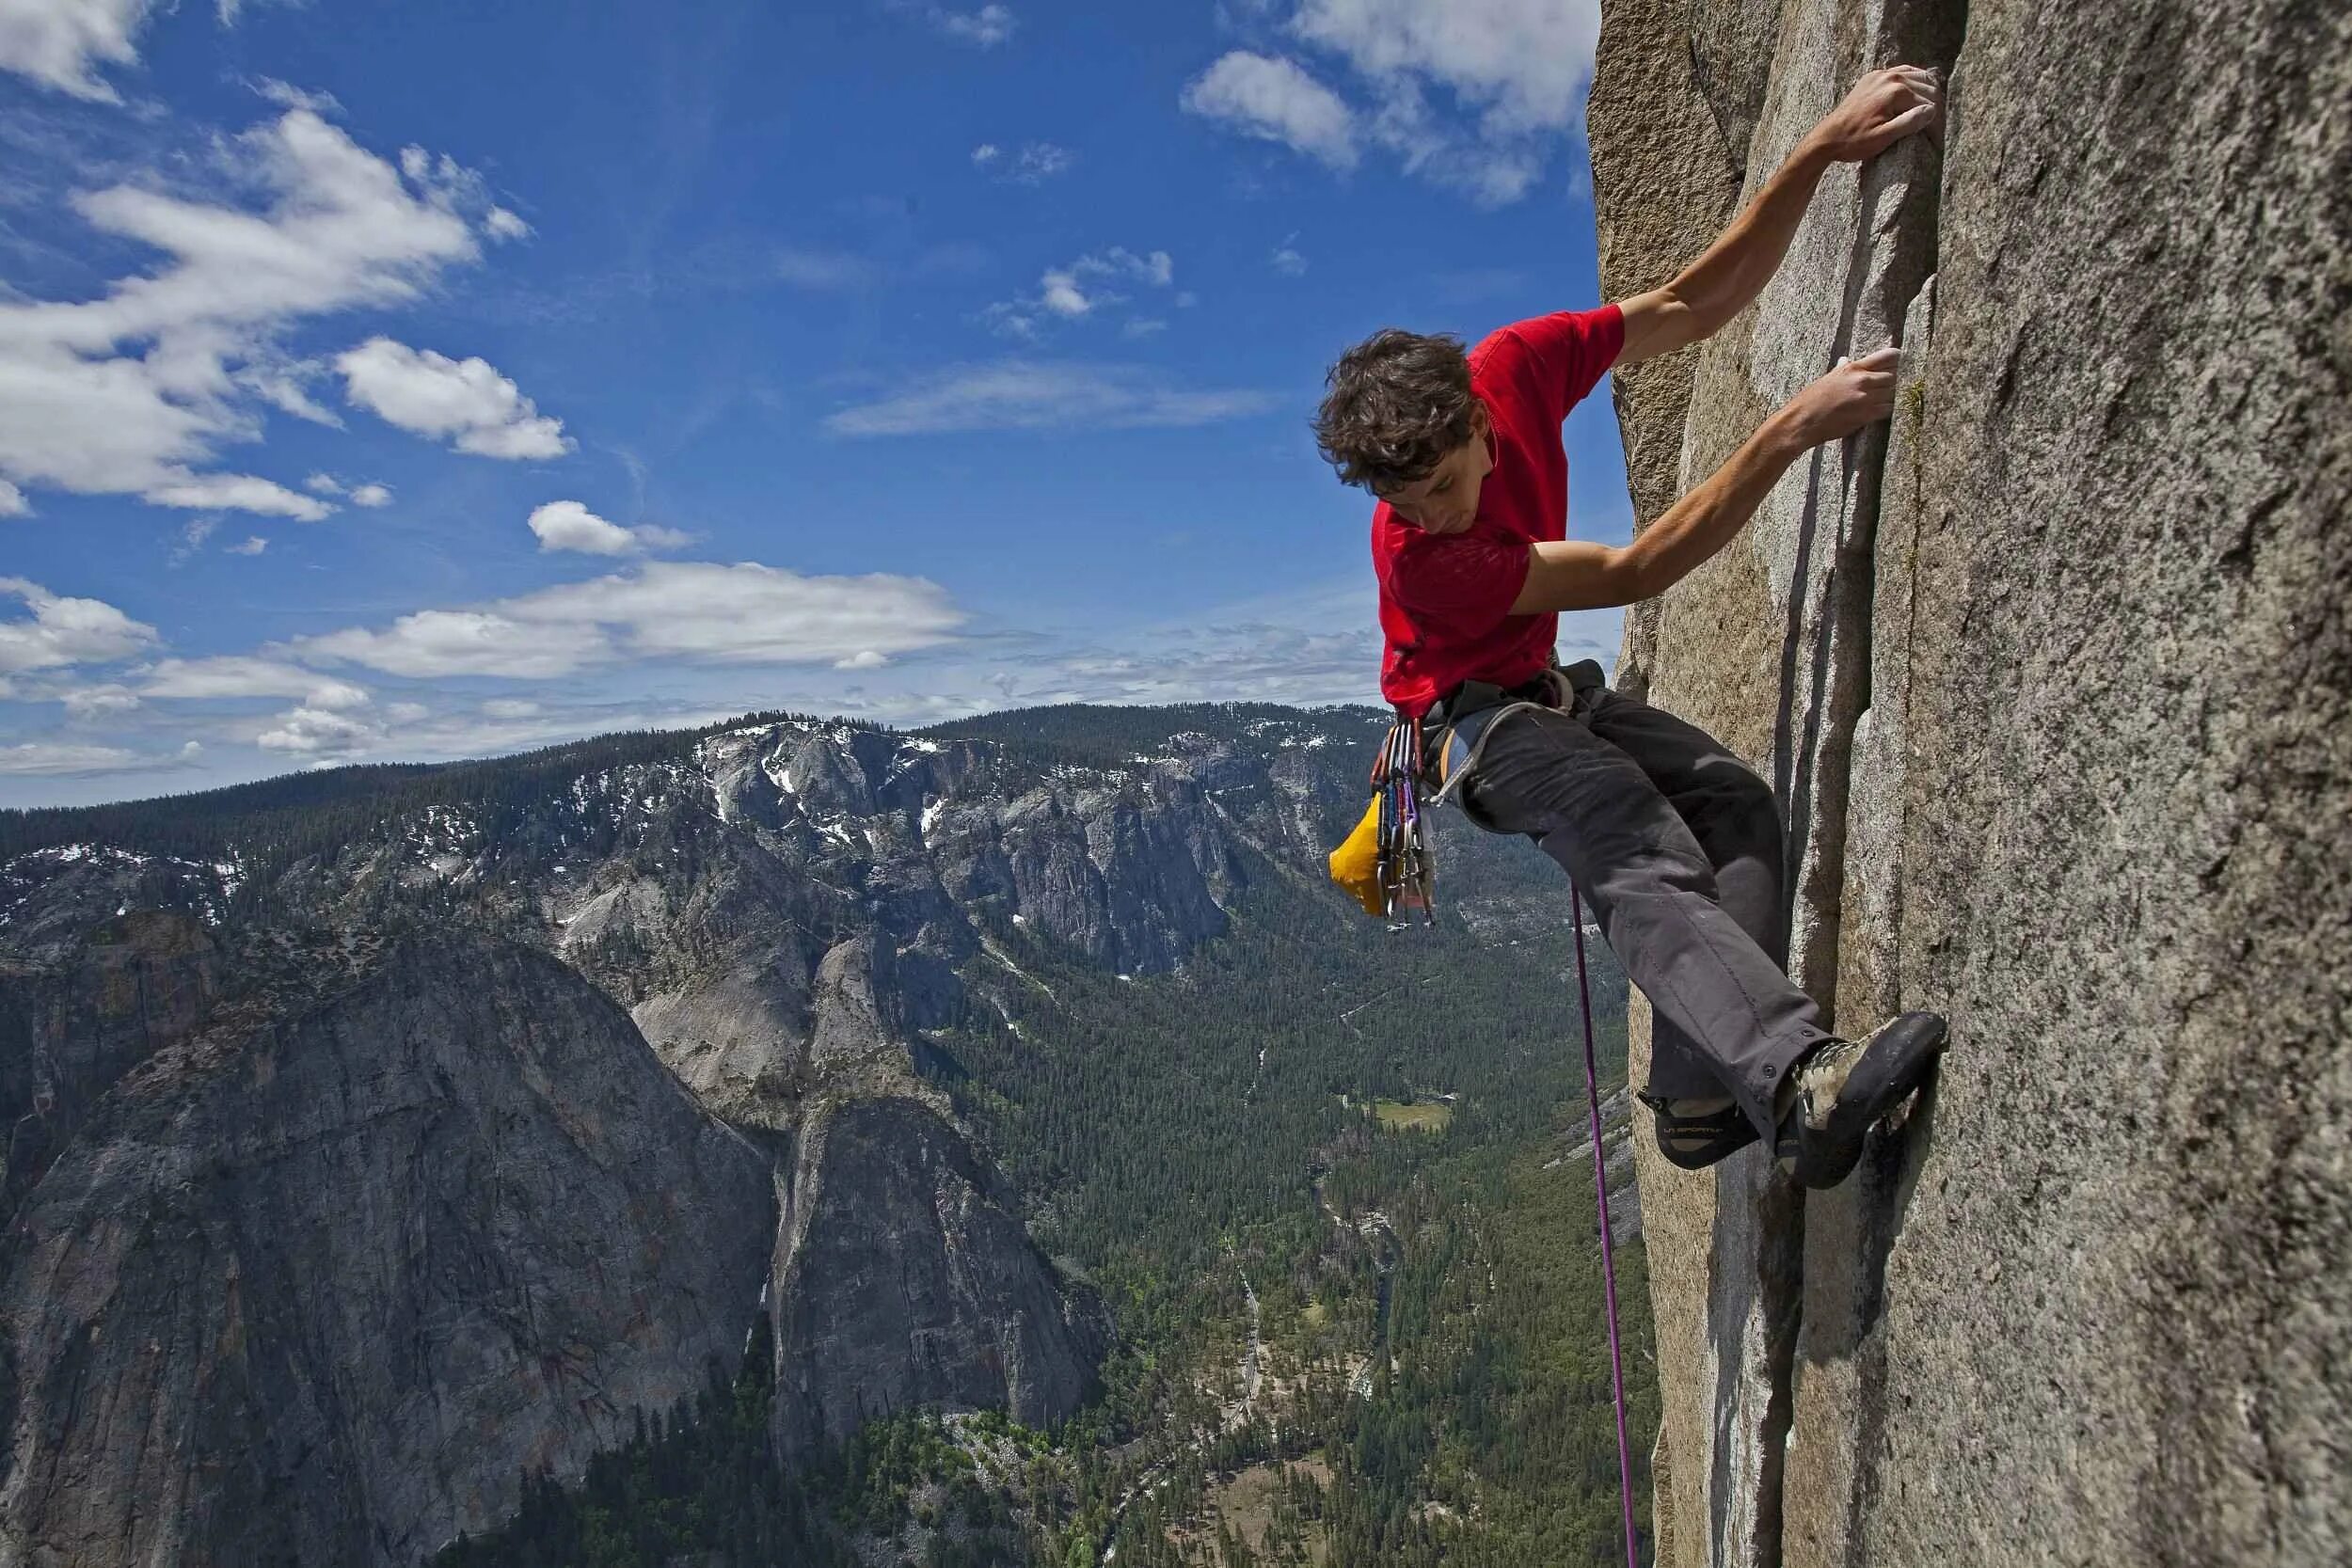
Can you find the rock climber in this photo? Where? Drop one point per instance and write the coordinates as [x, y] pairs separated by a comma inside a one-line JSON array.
[[1675, 843]]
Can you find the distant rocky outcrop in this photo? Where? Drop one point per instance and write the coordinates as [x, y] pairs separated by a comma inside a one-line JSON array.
[[907, 1282], [317, 1280], [2054, 679]]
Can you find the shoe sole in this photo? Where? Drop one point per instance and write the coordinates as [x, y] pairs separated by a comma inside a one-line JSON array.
[[1894, 1060]]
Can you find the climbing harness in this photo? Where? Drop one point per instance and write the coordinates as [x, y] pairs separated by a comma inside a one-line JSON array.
[[1475, 710], [1608, 1248], [1386, 861]]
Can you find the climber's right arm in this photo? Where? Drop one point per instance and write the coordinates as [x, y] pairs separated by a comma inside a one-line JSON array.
[[1573, 573], [1883, 108]]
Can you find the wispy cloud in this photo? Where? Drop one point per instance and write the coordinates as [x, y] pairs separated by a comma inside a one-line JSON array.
[[987, 26], [1082, 288], [358, 494], [1032, 164], [246, 675], [691, 611], [52, 759], [806, 267], [1021, 394], [132, 393], [192, 537], [1514, 71], [88, 704]]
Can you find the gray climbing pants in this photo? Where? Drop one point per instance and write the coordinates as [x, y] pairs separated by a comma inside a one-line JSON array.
[[1676, 844]]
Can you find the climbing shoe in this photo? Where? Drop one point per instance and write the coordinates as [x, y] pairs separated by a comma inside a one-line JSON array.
[[1695, 1133], [1844, 1086]]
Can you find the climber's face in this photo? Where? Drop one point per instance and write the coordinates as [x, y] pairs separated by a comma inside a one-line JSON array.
[[1445, 499]]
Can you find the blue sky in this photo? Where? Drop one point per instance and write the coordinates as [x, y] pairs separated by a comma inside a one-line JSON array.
[[405, 381]]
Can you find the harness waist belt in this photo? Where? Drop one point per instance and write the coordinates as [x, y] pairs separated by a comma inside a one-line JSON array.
[[1544, 689]]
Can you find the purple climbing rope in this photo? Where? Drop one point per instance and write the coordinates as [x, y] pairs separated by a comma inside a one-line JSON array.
[[1608, 1251]]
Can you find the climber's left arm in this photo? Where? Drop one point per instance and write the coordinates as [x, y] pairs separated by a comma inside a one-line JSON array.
[[1884, 107]]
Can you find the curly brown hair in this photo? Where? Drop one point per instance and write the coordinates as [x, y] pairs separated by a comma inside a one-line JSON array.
[[1398, 402]]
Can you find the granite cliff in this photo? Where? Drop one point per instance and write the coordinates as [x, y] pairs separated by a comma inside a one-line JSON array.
[[2054, 680]]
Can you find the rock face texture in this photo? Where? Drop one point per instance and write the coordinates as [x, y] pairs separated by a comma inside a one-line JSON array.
[[2053, 678], [948, 1313], [317, 1282]]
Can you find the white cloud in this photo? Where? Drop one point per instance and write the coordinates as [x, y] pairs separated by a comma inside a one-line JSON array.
[[64, 631], [306, 730], [1514, 70], [509, 707], [45, 758], [987, 27], [698, 611], [59, 44], [192, 537], [865, 658], [235, 493], [13, 502], [1276, 100], [245, 676], [285, 94], [1286, 259], [1524, 63], [466, 399], [359, 494], [131, 391], [500, 224], [230, 11], [570, 526], [283, 384], [1036, 163], [465, 642], [1017, 394], [1076, 290], [88, 703], [254, 544]]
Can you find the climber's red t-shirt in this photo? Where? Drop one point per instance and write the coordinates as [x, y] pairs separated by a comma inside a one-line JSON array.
[[1445, 598]]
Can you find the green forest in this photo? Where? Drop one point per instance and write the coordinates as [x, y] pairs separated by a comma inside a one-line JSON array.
[[1433, 1299]]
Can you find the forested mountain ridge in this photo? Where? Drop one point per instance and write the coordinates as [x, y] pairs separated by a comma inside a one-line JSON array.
[[943, 989]]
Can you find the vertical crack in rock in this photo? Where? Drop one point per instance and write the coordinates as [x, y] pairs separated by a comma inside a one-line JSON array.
[[1850, 1230], [1769, 645]]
